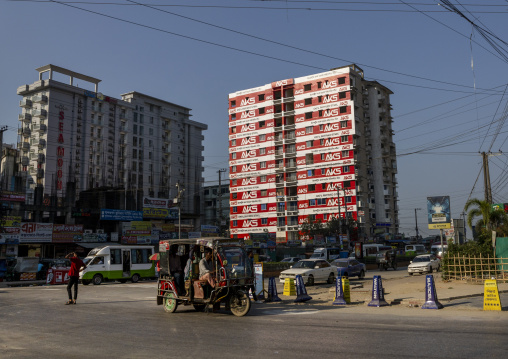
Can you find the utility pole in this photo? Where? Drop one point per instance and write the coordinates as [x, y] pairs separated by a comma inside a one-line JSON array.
[[486, 177], [219, 195], [416, 221], [178, 200]]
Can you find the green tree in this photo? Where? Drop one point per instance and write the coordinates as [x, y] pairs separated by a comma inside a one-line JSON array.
[[311, 227], [490, 219]]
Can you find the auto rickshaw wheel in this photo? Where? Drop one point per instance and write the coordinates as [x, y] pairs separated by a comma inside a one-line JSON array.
[[239, 303], [169, 302]]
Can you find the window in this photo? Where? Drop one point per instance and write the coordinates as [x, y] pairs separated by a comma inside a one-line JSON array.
[[234, 209], [311, 187], [307, 87], [233, 116], [261, 97], [233, 169], [343, 124], [321, 201], [342, 94], [312, 202], [349, 199], [141, 142], [135, 129], [135, 141], [309, 129], [141, 109], [151, 108], [262, 137], [263, 192], [262, 151], [233, 103], [263, 179], [263, 206], [263, 164], [345, 169], [264, 221], [308, 144], [233, 142], [321, 127], [308, 101], [319, 84], [235, 195], [150, 156], [115, 256], [134, 153], [151, 120], [308, 115], [322, 142], [135, 116], [261, 110], [97, 260], [345, 153], [341, 80], [235, 223], [140, 256], [150, 131], [344, 138], [310, 173], [234, 182], [141, 130], [261, 124], [141, 118], [343, 109]]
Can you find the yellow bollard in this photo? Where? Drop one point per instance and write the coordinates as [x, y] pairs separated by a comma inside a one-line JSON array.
[[289, 287], [491, 299], [346, 288]]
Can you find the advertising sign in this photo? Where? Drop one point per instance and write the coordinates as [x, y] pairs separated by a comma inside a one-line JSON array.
[[120, 215], [156, 202], [67, 233], [11, 221], [438, 211], [258, 271], [36, 232], [160, 213]]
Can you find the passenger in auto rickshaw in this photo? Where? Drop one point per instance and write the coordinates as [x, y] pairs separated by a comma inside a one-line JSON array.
[[206, 270]]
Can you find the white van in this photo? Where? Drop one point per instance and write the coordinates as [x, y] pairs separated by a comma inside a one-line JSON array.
[[371, 250], [327, 254], [438, 251], [416, 248], [118, 262]]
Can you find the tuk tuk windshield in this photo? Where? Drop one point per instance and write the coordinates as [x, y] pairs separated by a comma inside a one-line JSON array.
[[237, 264]]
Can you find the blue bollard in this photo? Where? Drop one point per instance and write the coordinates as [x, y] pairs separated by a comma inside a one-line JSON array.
[[301, 291]]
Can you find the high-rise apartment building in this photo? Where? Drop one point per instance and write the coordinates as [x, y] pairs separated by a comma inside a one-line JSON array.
[[299, 147], [68, 134]]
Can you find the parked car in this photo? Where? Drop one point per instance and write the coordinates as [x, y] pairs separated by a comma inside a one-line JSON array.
[[349, 267], [290, 260], [426, 263], [311, 270]]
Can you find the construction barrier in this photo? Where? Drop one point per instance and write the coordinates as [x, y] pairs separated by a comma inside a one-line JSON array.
[[339, 292], [272, 291], [378, 295], [301, 291], [289, 287], [431, 301], [491, 300]]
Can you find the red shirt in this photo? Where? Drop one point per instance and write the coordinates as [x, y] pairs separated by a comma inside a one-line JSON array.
[[76, 264]]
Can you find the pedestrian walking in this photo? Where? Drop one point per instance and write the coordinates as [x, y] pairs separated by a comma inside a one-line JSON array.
[[76, 265]]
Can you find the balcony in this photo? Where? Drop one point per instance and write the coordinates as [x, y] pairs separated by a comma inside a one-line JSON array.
[[42, 128], [42, 143], [40, 173], [40, 158], [97, 122], [291, 179], [40, 99], [25, 146], [25, 131], [25, 117], [22, 90], [40, 113], [24, 161], [25, 103]]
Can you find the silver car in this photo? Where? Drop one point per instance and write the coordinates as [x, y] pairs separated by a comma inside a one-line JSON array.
[[426, 263]]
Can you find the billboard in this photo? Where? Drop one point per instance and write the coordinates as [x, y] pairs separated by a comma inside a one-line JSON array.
[[438, 212], [120, 215]]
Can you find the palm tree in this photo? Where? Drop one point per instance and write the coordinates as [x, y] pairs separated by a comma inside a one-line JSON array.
[[491, 219]]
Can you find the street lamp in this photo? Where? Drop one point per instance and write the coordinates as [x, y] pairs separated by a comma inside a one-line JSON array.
[[178, 200]]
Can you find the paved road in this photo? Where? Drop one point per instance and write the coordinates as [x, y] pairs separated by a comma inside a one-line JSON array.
[[123, 321]]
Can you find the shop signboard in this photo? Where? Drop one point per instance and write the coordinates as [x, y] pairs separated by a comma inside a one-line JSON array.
[[149, 202], [438, 212], [67, 233], [31, 232], [121, 215], [208, 229], [11, 221]]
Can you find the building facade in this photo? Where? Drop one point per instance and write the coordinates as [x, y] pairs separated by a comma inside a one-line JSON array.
[[299, 147], [136, 142], [216, 208]]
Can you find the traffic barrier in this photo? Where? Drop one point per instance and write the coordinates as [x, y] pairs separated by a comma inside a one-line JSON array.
[[301, 291], [272, 291], [491, 300], [431, 301], [289, 287], [378, 295], [339, 293]]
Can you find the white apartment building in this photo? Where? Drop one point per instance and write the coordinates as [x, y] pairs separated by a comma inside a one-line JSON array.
[[314, 147], [68, 134]]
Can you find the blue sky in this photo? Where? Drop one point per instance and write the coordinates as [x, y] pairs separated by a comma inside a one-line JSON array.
[[195, 53]]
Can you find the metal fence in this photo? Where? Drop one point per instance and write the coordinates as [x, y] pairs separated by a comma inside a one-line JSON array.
[[476, 269]]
